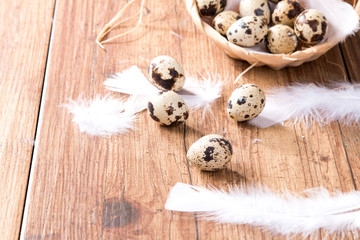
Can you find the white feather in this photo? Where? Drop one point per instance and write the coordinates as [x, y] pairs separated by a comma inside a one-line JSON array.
[[201, 93], [131, 81], [284, 214], [196, 93], [105, 116], [309, 103]]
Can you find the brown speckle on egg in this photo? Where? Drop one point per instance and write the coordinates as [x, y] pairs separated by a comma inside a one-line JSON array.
[[209, 8], [281, 39], [166, 73], [151, 111], [250, 102], [311, 26], [286, 12], [258, 8], [210, 153], [168, 109], [229, 105], [224, 20], [247, 31], [259, 12]]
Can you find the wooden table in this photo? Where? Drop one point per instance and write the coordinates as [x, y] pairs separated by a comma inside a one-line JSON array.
[[58, 183]]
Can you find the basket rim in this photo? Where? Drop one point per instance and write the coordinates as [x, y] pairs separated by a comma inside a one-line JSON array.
[[235, 51]]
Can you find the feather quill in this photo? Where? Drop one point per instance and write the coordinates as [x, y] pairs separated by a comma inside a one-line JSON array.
[[308, 104], [105, 116], [284, 214], [197, 93]]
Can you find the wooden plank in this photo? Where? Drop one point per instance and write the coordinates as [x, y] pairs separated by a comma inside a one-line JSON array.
[[352, 57], [351, 134], [84, 187], [295, 158], [66, 182], [25, 34], [91, 188]]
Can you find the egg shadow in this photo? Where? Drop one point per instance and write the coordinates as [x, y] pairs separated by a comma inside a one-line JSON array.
[[179, 127], [224, 177]]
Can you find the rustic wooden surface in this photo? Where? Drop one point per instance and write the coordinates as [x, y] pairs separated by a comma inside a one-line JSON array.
[[70, 185], [25, 36]]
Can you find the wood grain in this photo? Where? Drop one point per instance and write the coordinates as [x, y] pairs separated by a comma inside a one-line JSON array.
[[295, 158], [92, 188], [25, 35], [351, 134], [84, 187]]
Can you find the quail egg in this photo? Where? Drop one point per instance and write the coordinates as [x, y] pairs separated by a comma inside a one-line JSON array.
[[259, 8], [311, 26], [281, 39], [210, 153], [247, 31], [166, 73], [246, 102], [209, 8], [286, 11], [224, 20], [168, 108]]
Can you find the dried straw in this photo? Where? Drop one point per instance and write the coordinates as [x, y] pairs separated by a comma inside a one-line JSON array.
[[116, 21]]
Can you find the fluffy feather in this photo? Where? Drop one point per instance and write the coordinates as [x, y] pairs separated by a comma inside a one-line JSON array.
[[105, 116], [196, 93], [284, 214], [309, 103], [201, 93], [131, 81]]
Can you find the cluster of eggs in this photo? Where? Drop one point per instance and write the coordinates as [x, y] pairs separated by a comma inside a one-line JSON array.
[[211, 152], [168, 76], [255, 22]]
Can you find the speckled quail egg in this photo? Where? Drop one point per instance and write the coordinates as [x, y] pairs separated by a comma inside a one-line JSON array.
[[286, 12], [166, 73], [246, 102], [168, 108], [259, 8], [281, 39], [209, 8], [224, 20], [210, 153], [247, 31], [311, 26]]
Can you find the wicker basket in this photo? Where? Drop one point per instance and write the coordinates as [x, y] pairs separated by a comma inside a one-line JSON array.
[[275, 61]]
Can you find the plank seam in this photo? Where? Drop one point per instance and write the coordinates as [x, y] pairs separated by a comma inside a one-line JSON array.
[[188, 168], [185, 147], [340, 129], [347, 157], [23, 217], [344, 61]]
